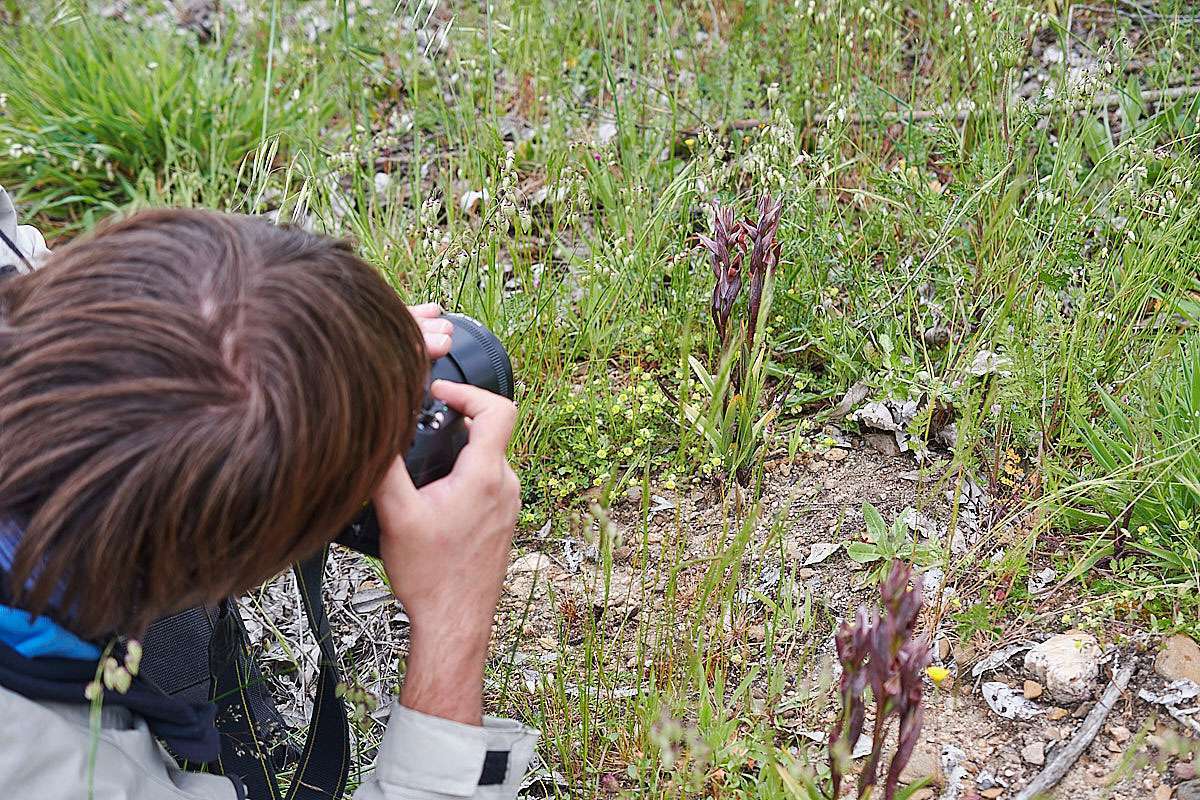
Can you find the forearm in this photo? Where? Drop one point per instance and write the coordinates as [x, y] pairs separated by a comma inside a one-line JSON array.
[[438, 745], [444, 677]]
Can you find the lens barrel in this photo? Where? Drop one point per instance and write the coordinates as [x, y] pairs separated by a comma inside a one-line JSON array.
[[476, 357]]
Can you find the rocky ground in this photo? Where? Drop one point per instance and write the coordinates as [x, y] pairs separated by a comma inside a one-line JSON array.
[[1006, 711], [1003, 715]]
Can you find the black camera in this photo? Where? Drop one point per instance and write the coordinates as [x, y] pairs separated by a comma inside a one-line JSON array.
[[476, 357]]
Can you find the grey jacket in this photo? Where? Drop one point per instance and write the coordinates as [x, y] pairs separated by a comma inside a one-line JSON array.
[[45, 749]]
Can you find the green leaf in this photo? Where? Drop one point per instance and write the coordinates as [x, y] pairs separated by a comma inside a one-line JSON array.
[[876, 527], [863, 552], [1096, 141], [1131, 103]]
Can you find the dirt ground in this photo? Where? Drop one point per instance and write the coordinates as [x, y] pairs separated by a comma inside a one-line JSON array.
[[967, 749], [556, 588]]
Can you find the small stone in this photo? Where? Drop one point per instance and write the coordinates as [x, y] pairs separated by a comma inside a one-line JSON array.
[[1056, 713], [1188, 790], [882, 443], [925, 763], [1034, 753], [993, 793], [1179, 659], [1163, 792], [943, 648], [836, 454], [1032, 690], [1082, 710], [1066, 664], [530, 562], [922, 794], [804, 573], [1183, 771], [1120, 733]]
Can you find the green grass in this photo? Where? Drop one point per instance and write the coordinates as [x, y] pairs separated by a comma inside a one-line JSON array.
[[1060, 235]]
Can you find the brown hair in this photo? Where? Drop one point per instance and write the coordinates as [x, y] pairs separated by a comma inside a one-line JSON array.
[[189, 402]]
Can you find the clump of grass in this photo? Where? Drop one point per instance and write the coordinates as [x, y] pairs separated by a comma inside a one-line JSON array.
[[1147, 496], [98, 114]]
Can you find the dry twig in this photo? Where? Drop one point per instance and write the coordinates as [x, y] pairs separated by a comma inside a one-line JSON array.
[[1062, 761], [925, 114]]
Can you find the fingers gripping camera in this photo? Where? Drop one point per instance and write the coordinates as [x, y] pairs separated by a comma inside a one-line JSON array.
[[476, 357]]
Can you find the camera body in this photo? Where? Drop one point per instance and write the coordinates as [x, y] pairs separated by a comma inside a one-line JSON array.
[[476, 357]]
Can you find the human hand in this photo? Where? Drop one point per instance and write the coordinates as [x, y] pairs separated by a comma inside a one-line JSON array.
[[437, 331], [445, 549]]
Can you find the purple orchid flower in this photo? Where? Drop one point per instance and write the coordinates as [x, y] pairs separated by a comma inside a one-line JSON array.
[[880, 650]]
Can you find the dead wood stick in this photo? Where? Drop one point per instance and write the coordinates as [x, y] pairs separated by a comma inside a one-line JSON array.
[[1098, 102], [1053, 772], [925, 114]]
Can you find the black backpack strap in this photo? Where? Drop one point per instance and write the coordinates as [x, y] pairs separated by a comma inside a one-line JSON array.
[[245, 748], [324, 763], [178, 659], [207, 650]]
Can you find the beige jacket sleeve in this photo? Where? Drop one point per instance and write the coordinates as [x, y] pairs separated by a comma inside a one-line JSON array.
[[429, 758]]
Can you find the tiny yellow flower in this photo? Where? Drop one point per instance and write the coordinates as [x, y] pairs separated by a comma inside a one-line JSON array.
[[1185, 524], [690, 141], [1143, 529], [937, 674]]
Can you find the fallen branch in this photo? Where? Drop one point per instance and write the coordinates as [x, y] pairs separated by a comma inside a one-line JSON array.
[[1062, 761], [925, 114]]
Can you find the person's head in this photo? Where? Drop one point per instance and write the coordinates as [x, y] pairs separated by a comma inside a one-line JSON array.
[[189, 402]]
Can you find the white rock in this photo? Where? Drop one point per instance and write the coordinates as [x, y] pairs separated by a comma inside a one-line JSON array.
[[530, 562], [1007, 701], [876, 415], [1067, 665], [821, 551], [988, 363]]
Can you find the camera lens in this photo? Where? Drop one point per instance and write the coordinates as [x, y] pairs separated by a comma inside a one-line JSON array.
[[476, 357]]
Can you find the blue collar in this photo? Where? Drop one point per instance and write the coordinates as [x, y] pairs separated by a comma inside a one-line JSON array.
[[42, 637]]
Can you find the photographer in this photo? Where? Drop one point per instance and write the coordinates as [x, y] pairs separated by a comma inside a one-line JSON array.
[[189, 403]]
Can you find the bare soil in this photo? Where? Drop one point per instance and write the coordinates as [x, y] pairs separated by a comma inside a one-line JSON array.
[[557, 590]]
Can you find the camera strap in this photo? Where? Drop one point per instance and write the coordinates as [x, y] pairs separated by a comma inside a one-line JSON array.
[[207, 650]]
